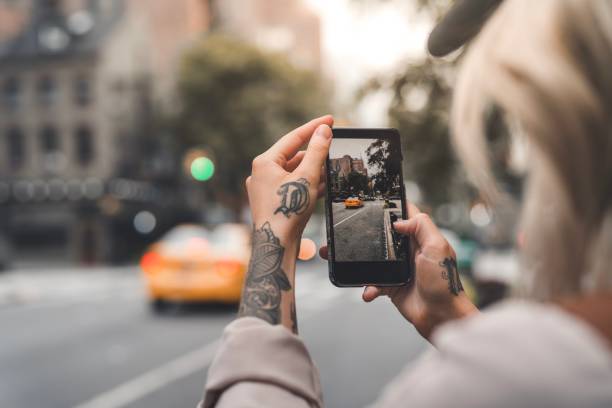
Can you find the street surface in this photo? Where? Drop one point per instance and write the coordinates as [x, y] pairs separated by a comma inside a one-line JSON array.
[[85, 338], [359, 232]]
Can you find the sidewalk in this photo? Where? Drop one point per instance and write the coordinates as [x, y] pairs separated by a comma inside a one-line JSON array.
[[34, 285]]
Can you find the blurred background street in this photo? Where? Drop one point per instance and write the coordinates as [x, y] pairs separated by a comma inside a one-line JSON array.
[[71, 346], [127, 129]]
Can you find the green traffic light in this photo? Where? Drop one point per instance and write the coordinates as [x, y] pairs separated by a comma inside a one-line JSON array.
[[202, 169]]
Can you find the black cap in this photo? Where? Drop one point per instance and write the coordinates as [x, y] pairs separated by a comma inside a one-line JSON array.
[[462, 22]]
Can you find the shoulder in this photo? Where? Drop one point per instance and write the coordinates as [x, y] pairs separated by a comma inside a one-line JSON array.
[[528, 329], [517, 354]]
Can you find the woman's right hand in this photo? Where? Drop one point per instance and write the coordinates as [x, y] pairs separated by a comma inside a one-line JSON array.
[[436, 295]]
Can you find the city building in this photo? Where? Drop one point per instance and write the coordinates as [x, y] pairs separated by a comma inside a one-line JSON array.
[[80, 84], [341, 167], [347, 164]]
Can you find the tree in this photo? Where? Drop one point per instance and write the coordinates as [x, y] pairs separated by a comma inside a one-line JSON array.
[[357, 182], [386, 157], [235, 101], [419, 108]]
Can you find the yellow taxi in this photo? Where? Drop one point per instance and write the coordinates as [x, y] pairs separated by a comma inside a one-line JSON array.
[[191, 263], [353, 202]]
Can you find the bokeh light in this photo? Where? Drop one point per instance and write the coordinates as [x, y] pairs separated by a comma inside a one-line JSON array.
[[202, 169], [145, 222], [308, 249]]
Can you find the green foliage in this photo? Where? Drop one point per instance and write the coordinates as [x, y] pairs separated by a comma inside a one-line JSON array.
[[419, 110], [386, 157], [236, 100], [357, 182]]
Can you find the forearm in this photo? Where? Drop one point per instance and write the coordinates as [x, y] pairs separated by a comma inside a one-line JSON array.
[[268, 291]]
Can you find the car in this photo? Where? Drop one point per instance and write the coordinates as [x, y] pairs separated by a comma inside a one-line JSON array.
[[195, 264], [353, 202], [389, 204], [338, 200]]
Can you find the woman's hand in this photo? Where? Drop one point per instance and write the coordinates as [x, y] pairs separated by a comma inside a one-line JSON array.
[[436, 294], [282, 188], [285, 182]]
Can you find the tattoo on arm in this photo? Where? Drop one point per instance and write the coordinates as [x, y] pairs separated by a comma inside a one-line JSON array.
[[261, 295], [295, 197], [451, 274]]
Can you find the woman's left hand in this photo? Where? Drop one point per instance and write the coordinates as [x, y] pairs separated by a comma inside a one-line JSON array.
[[285, 182]]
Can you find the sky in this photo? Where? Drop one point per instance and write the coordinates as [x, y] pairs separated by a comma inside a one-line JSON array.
[[360, 40]]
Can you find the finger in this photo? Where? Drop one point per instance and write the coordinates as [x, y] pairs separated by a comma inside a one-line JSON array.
[[370, 293], [422, 228], [321, 190], [316, 153], [323, 252], [413, 210], [295, 161], [287, 146]]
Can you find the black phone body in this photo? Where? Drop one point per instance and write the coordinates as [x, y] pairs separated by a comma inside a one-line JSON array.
[[365, 195]]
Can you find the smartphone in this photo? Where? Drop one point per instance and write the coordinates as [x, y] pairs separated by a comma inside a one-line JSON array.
[[365, 195]]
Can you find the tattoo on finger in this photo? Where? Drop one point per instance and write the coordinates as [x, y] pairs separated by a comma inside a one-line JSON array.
[[451, 274]]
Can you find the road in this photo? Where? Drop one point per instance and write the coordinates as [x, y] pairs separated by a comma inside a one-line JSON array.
[[359, 232], [86, 339]]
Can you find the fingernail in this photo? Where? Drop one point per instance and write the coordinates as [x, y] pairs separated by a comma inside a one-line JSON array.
[[322, 131]]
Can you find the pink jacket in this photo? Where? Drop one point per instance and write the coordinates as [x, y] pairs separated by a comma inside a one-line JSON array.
[[519, 354]]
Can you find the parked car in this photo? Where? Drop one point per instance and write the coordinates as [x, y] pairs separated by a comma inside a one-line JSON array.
[[389, 204], [193, 263]]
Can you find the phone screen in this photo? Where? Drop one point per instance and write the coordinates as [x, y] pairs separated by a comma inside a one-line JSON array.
[[365, 198]]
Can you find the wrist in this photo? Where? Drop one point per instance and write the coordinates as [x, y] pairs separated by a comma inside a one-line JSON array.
[[459, 308], [286, 230]]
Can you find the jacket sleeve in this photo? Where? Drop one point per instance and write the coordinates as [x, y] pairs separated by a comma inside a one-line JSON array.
[[259, 364]]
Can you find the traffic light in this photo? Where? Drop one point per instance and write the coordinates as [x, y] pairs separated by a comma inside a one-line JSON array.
[[202, 168], [199, 164]]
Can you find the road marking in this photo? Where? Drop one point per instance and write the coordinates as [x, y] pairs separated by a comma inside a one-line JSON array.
[[187, 364], [350, 216], [155, 379]]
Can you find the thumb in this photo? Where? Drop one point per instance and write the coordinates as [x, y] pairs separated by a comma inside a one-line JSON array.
[[316, 153], [423, 229], [370, 293]]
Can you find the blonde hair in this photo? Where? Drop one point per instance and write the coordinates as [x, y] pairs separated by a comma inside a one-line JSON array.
[[547, 64]]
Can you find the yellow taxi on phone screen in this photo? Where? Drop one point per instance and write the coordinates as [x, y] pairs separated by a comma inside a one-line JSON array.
[[353, 202]]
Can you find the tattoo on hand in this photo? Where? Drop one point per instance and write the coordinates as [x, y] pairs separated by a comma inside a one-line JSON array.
[[451, 275], [295, 197], [261, 295]]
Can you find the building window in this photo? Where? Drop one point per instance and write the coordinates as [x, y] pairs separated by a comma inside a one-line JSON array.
[[49, 140], [15, 148], [82, 91], [11, 90], [47, 90], [84, 145]]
